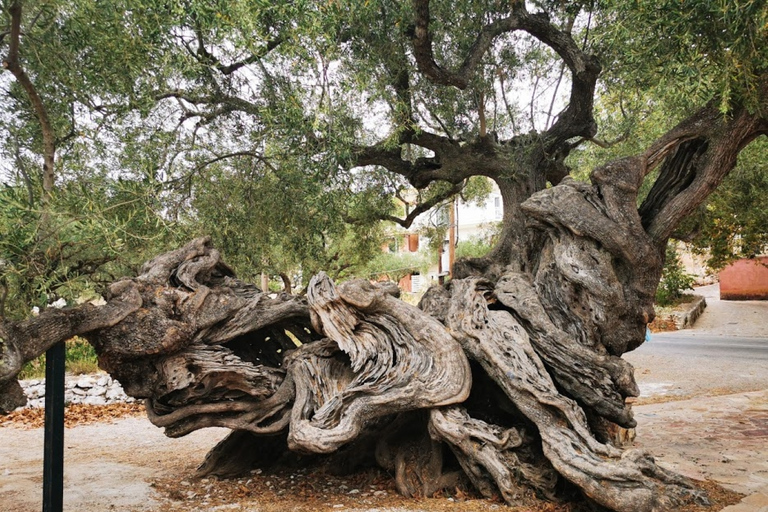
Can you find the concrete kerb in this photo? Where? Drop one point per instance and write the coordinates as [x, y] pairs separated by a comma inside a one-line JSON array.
[[693, 310]]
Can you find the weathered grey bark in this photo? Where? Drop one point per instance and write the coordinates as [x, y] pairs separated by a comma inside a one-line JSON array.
[[348, 364], [515, 364], [499, 342], [514, 367]]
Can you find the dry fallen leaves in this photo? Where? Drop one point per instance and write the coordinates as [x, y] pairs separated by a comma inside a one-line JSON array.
[[313, 490], [74, 414]]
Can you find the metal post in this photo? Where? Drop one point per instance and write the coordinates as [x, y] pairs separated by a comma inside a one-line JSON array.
[[53, 459]]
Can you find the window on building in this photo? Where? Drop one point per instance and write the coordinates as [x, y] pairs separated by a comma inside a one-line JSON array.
[[497, 208]]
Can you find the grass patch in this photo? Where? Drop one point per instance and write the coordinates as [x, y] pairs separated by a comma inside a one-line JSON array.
[[80, 359]]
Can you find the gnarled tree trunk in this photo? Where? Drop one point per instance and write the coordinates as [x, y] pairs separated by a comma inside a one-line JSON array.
[[511, 374], [354, 362]]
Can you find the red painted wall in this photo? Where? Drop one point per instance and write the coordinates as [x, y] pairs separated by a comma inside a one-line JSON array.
[[745, 280], [406, 283]]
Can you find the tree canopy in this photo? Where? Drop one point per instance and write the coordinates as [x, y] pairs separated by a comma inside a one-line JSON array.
[[322, 112]]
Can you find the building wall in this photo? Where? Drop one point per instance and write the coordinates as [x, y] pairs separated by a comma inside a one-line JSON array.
[[474, 220], [745, 280]]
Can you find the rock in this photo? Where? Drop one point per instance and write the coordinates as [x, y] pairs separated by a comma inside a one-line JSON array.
[[86, 381], [35, 391], [94, 400], [97, 391], [114, 394], [101, 389], [40, 402]]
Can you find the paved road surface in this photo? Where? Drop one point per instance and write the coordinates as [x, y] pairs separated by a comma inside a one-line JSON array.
[[725, 351], [706, 345]]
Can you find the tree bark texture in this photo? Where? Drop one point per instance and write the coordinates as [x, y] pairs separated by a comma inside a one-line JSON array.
[[510, 375]]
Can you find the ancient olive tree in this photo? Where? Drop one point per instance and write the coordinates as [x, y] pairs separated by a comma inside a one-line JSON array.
[[511, 374]]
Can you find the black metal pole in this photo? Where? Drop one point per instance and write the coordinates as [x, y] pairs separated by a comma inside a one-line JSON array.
[[53, 459]]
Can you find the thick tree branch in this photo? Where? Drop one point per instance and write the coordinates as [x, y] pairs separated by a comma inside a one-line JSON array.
[[695, 156], [574, 121], [418, 172], [577, 118], [702, 172], [452, 162], [13, 64], [385, 156], [459, 78]]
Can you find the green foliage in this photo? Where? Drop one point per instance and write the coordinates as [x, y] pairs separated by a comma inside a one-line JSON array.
[[79, 359], [396, 265], [473, 248], [97, 230], [476, 190], [733, 223], [674, 279], [157, 141], [660, 59], [276, 220], [688, 51]]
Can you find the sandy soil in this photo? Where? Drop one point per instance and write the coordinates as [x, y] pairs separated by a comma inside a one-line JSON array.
[[108, 466]]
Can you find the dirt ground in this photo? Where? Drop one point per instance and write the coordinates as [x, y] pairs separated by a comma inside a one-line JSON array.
[[129, 465], [713, 425]]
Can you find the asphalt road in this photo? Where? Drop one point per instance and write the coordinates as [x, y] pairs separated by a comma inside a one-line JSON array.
[[705, 345]]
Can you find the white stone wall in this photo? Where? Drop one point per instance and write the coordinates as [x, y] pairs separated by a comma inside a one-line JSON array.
[[99, 389]]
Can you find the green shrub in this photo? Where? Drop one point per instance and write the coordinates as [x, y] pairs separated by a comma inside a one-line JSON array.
[[80, 359], [674, 279]]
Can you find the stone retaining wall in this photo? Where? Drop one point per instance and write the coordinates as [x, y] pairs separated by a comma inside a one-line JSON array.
[[685, 319], [98, 389]]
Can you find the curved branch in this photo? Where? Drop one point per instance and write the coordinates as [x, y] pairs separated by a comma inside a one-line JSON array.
[[218, 158], [395, 358], [696, 168], [228, 69], [426, 206], [577, 118], [421, 172], [459, 78], [205, 57], [453, 162]]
